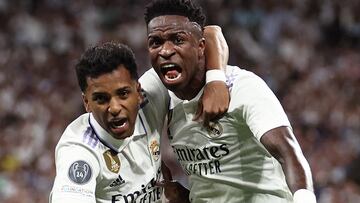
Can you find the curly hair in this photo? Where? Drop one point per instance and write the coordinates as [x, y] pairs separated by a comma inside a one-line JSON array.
[[104, 58], [175, 7]]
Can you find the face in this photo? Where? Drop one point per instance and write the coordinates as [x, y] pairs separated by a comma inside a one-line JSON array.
[[114, 98], [176, 48]]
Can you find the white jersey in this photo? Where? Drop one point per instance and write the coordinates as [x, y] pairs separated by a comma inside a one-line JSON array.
[[227, 162], [92, 166]]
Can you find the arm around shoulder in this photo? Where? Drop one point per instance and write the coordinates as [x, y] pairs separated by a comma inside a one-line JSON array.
[[215, 99]]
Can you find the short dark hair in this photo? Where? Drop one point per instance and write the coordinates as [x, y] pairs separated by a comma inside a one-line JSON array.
[[185, 8], [104, 58]]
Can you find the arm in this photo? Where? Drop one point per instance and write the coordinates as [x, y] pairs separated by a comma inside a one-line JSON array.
[[268, 122], [282, 144], [216, 48], [215, 99], [173, 190], [76, 170]]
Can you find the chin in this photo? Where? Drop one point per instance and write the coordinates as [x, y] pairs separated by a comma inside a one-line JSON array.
[[173, 85], [120, 137]]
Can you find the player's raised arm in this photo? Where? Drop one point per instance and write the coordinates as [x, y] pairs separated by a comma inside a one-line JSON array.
[[215, 99], [282, 144]]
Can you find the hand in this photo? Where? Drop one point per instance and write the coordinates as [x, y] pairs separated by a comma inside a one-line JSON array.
[[174, 191], [214, 102]]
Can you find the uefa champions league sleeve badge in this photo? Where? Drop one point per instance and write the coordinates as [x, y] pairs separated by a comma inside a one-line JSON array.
[[80, 172]]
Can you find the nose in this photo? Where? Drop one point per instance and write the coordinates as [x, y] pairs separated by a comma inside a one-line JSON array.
[[115, 107], [167, 50]]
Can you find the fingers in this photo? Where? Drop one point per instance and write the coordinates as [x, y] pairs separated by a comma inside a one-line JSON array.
[[211, 113], [165, 171], [199, 112], [165, 183], [214, 102], [160, 183], [202, 116], [206, 119], [174, 191]]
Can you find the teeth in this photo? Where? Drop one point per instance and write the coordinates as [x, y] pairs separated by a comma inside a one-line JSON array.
[[168, 66], [118, 124], [172, 77]]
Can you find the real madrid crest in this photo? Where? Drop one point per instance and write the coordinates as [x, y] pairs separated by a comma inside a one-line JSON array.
[[112, 161], [214, 129], [155, 149]]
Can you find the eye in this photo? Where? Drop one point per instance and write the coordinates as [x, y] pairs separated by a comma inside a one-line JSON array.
[[124, 93], [100, 99], [154, 42], [178, 40]]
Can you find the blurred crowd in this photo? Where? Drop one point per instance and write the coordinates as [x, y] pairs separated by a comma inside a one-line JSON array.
[[308, 52]]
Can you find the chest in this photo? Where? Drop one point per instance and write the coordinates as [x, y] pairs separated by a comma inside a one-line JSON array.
[[182, 130], [220, 149], [130, 175]]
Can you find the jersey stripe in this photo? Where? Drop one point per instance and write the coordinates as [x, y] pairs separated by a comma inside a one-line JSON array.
[[90, 138]]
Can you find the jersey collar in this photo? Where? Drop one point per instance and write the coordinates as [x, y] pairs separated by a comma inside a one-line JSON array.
[[117, 145], [174, 100]]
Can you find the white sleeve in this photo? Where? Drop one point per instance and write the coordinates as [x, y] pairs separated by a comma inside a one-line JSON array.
[[76, 172], [260, 108], [156, 93]]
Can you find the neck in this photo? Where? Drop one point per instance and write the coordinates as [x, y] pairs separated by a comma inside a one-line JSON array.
[[194, 87]]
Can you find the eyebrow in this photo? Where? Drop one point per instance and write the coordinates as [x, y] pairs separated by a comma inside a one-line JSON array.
[[97, 93], [181, 32], [123, 88]]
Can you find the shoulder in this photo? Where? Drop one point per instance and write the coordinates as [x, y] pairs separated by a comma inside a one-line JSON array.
[[150, 77], [156, 96], [237, 77], [80, 134], [78, 144], [77, 165], [249, 90], [153, 88]]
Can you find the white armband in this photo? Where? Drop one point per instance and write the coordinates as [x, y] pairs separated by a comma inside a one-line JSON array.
[[215, 75], [304, 196]]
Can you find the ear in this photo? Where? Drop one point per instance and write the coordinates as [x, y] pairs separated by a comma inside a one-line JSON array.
[[140, 95], [86, 103], [201, 47]]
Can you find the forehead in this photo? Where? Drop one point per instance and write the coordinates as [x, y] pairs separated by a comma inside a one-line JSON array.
[[112, 80], [172, 22]]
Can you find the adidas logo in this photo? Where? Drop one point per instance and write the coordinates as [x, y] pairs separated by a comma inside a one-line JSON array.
[[117, 182]]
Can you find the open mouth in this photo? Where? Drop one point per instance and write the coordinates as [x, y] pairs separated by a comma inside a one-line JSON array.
[[118, 123], [171, 72]]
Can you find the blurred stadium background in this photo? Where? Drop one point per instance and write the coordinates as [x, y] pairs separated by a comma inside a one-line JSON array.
[[308, 51]]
